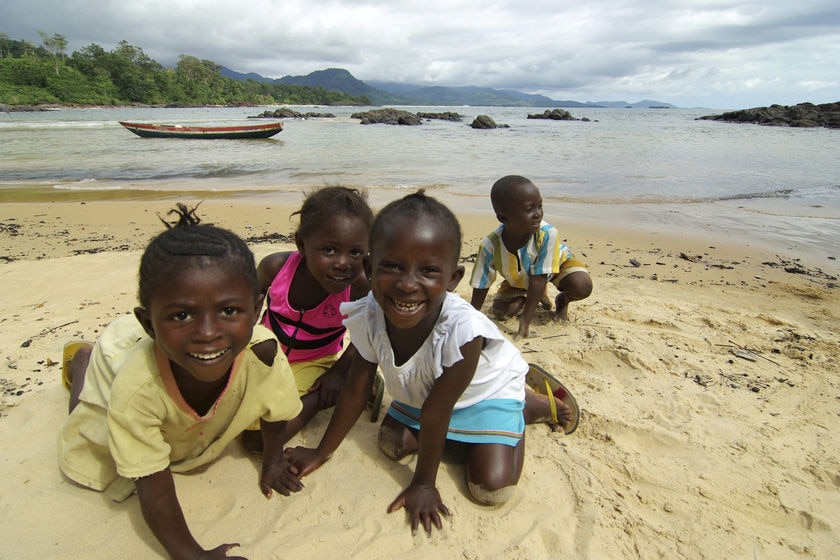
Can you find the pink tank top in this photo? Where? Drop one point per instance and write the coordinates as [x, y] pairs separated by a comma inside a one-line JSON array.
[[309, 334]]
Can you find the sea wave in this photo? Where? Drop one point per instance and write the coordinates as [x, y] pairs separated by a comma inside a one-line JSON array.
[[88, 184], [780, 193], [666, 198]]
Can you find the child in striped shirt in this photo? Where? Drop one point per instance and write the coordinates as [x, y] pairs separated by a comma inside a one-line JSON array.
[[528, 254]]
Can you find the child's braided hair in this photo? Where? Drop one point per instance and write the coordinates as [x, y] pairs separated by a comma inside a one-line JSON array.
[[188, 242]]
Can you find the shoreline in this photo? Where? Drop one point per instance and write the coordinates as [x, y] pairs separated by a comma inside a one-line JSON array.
[[706, 378], [683, 228]]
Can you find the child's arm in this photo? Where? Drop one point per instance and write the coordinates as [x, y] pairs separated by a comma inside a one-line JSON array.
[[536, 289], [276, 473], [163, 515], [330, 384], [478, 297], [350, 405], [421, 498]]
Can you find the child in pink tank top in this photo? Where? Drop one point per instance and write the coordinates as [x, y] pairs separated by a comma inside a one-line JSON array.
[[304, 289]]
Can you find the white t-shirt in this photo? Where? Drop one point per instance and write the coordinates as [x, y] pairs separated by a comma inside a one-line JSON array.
[[500, 373]]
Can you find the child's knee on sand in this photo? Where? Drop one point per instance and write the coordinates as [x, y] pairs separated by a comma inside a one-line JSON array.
[[493, 471], [490, 496], [395, 440]]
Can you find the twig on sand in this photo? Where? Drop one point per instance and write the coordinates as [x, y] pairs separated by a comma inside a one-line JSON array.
[[28, 341], [553, 336], [747, 353]]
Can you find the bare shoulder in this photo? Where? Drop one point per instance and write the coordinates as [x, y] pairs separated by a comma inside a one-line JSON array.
[[266, 351], [269, 266]]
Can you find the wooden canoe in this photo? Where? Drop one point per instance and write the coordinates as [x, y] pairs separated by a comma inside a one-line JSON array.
[[205, 132]]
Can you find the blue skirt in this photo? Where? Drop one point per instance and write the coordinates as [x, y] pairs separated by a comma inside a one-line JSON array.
[[490, 421]]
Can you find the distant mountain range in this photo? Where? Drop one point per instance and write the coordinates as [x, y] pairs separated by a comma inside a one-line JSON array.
[[393, 93]]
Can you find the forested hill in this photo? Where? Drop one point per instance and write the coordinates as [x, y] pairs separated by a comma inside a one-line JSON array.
[[46, 74]]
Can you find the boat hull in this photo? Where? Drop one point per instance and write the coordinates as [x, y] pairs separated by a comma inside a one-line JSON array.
[[203, 132]]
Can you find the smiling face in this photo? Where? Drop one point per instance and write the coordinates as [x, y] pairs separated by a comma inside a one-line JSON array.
[[202, 318], [334, 253], [414, 264], [521, 210]]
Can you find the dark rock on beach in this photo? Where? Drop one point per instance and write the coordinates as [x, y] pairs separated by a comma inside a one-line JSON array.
[[388, 116], [803, 115]]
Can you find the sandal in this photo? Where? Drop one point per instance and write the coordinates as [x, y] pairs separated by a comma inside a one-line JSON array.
[[70, 350], [375, 401], [544, 383]]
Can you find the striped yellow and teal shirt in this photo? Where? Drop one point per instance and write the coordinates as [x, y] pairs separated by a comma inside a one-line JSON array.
[[543, 254]]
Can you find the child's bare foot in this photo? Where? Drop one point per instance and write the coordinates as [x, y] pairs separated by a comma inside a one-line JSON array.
[[75, 359], [538, 410], [562, 304], [76, 355], [547, 400], [395, 440]]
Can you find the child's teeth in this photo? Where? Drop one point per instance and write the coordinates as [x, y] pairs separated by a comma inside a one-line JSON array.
[[208, 356], [404, 306]]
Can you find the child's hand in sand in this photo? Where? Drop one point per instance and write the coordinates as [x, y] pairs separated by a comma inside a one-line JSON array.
[[424, 506], [304, 460], [280, 476]]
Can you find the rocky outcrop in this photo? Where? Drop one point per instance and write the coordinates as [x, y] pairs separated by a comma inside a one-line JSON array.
[[286, 113], [387, 116], [803, 115], [445, 116], [25, 108], [484, 121], [554, 115]]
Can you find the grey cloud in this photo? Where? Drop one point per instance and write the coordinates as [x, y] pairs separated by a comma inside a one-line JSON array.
[[688, 52]]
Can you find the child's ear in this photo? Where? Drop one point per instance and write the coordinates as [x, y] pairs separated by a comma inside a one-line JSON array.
[[457, 275], [501, 217], [298, 243], [368, 267], [143, 317]]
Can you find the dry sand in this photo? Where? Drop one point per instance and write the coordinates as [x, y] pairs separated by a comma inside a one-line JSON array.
[[707, 376]]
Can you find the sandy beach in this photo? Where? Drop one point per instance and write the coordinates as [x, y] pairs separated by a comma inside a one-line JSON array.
[[706, 374]]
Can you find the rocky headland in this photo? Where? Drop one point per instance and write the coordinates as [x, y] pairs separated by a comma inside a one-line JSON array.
[[803, 115]]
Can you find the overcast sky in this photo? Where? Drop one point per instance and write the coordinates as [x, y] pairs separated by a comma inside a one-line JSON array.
[[692, 53]]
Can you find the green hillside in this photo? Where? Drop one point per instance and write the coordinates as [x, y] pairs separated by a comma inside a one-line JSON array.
[[35, 75]]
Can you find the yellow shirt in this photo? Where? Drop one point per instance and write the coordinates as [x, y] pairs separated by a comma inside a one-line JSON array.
[[137, 423]]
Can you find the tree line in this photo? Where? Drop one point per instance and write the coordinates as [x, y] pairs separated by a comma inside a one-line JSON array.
[[44, 74]]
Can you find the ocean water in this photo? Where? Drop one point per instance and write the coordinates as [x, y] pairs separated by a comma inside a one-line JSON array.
[[652, 169]]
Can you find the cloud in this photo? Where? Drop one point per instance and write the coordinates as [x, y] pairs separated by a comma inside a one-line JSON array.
[[688, 52]]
